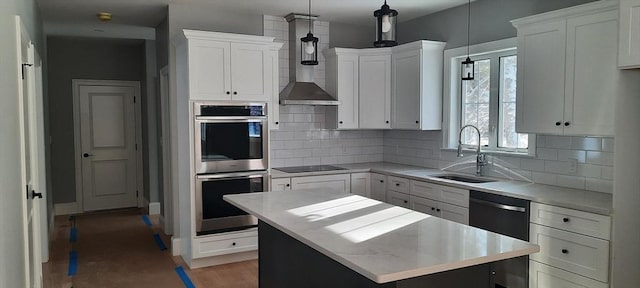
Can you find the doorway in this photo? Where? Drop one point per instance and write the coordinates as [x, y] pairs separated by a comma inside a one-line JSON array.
[[108, 149]]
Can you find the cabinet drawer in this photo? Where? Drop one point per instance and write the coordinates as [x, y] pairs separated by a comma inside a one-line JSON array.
[[545, 276], [281, 184], [454, 213], [571, 220], [446, 194], [425, 206], [214, 247], [398, 199], [338, 182], [398, 184], [583, 255]]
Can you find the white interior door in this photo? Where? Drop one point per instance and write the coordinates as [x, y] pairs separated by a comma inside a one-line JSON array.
[[108, 141], [30, 161]]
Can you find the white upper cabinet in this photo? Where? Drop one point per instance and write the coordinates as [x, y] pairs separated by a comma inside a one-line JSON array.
[[417, 86], [274, 85], [223, 66], [342, 83], [567, 70], [629, 49], [375, 88]]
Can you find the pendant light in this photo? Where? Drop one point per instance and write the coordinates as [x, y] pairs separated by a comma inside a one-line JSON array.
[[468, 66], [386, 19], [309, 45]]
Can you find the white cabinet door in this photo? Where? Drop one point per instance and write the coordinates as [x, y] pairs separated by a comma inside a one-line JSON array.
[[591, 74], [209, 70], [281, 184], [406, 90], [541, 72], [399, 199], [580, 254], [453, 213], [361, 184], [425, 206], [545, 276], [375, 91], [249, 70], [346, 91], [629, 46], [273, 83], [379, 187], [338, 182]]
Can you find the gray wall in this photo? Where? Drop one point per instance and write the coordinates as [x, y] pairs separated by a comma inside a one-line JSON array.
[[12, 241], [81, 58], [351, 36], [204, 17], [489, 21], [162, 60]]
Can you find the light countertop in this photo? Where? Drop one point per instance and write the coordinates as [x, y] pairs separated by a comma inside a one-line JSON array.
[[382, 242], [583, 200]]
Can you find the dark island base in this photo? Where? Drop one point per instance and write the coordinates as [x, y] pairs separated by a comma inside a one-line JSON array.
[[285, 262]]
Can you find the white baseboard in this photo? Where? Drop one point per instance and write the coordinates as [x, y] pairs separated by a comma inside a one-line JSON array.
[[176, 246], [222, 259], [154, 208], [66, 208]]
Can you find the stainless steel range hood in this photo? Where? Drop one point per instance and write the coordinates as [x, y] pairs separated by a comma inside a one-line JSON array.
[[302, 90]]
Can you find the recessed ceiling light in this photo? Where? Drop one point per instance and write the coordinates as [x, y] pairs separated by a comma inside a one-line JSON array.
[[104, 16]]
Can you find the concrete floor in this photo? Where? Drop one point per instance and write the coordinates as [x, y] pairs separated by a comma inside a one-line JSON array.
[[116, 249]]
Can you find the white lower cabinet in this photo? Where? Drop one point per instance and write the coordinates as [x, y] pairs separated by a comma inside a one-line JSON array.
[[440, 209], [361, 184], [574, 247], [228, 243], [545, 276], [338, 182], [281, 184], [379, 187], [399, 199]]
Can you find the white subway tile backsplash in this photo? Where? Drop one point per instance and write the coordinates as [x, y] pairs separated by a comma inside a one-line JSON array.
[[599, 185], [607, 173], [577, 155], [544, 178], [571, 181], [532, 165], [607, 144], [600, 158], [586, 143], [547, 154]]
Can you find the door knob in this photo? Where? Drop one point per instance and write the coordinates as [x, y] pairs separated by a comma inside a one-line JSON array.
[[34, 195], [86, 155]]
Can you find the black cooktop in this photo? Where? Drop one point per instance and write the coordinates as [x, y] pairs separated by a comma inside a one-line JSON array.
[[314, 168]]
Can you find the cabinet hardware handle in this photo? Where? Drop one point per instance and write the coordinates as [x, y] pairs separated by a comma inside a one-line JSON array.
[[233, 244], [34, 195], [417, 122], [558, 123], [235, 92], [397, 184], [340, 122], [387, 122], [438, 210], [433, 209], [565, 251], [565, 220], [567, 123], [228, 92], [277, 122], [381, 181], [405, 201], [288, 185], [86, 155]]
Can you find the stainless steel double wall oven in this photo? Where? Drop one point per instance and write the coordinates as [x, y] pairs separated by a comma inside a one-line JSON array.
[[231, 157]]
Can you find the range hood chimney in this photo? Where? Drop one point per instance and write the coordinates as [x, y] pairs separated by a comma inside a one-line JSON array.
[[302, 90]]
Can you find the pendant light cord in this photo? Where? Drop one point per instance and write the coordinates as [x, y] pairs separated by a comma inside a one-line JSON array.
[[309, 16], [468, 26]]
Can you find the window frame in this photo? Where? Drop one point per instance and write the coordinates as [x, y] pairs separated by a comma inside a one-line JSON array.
[[452, 102]]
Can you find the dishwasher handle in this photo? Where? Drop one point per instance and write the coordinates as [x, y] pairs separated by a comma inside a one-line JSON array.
[[499, 206]]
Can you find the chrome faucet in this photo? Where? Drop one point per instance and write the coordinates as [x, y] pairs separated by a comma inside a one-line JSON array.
[[481, 159]]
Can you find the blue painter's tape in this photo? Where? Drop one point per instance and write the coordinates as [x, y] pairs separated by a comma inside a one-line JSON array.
[[146, 220], [184, 277], [159, 242], [73, 263], [73, 235]]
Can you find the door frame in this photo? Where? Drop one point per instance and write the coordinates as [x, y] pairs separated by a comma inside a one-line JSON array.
[[77, 137], [165, 123]]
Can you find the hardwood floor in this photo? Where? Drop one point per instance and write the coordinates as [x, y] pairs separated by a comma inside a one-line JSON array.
[[115, 249]]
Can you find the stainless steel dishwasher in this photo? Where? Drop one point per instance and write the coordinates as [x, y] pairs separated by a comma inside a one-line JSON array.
[[507, 216]]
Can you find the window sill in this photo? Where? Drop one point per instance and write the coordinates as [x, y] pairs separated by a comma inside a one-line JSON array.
[[492, 152]]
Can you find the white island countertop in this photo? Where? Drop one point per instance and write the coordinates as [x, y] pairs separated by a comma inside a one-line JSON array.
[[380, 241]]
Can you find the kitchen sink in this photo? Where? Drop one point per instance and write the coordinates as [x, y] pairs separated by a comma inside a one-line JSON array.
[[466, 179]]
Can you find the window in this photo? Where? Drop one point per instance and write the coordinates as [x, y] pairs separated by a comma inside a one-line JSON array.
[[488, 102]]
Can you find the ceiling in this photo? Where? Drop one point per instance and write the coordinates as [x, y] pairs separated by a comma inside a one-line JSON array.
[[149, 13]]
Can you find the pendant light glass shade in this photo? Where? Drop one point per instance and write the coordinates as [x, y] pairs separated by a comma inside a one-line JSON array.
[[468, 66], [468, 69], [386, 20], [309, 45]]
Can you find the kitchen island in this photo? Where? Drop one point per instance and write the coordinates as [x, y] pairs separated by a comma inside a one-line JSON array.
[[324, 238]]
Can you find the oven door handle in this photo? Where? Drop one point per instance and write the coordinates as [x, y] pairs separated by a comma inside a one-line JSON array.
[[231, 176], [498, 205], [228, 119]]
